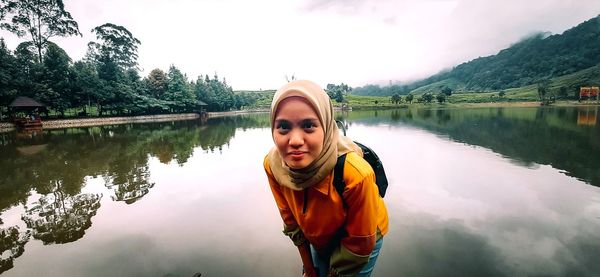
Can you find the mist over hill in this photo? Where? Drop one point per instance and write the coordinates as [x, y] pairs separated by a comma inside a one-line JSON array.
[[537, 57]]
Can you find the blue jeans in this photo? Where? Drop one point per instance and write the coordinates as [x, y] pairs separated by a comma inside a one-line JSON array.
[[322, 265]]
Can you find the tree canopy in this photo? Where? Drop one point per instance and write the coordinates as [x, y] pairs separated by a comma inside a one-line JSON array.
[[40, 19], [116, 43]]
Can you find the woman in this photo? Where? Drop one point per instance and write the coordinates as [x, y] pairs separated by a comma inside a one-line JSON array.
[[335, 235]]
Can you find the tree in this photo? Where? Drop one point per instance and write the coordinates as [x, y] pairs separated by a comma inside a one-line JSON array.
[[27, 71], [117, 44], [40, 19], [223, 94], [447, 91], [542, 89], [178, 90], [409, 98], [563, 92], [108, 68], [56, 79], [501, 93], [157, 83], [204, 92], [396, 98], [86, 87], [441, 97], [337, 92], [426, 98], [7, 75]]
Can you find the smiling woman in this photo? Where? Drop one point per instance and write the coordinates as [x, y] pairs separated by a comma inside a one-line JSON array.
[[298, 134], [336, 235]]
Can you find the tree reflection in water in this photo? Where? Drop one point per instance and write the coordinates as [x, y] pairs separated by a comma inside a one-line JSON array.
[[130, 187], [12, 245], [55, 165], [562, 137], [57, 218]]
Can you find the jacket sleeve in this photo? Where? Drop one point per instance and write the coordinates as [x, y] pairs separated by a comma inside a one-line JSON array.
[[360, 196], [290, 226]]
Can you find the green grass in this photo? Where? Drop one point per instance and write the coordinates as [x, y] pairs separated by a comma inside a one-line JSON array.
[[460, 98], [436, 87], [586, 77], [359, 102]]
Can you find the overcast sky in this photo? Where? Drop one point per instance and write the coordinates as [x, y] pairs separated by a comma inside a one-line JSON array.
[[255, 44]]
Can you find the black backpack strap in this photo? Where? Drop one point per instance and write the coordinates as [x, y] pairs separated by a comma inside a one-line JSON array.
[[338, 175]]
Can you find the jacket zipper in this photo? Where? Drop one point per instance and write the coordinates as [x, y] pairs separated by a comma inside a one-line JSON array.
[[305, 201]]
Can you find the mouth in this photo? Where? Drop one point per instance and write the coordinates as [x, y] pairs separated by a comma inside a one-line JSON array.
[[297, 155]]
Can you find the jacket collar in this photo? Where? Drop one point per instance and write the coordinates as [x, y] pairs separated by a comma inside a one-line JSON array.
[[325, 185]]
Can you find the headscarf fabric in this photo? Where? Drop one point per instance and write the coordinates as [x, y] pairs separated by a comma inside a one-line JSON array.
[[334, 145]]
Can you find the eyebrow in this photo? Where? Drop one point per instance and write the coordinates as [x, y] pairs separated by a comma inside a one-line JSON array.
[[310, 119], [302, 120]]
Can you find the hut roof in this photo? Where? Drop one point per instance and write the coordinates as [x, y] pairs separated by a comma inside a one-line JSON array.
[[200, 103], [23, 101]]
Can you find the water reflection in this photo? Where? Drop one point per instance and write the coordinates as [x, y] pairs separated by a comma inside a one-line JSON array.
[[193, 197], [54, 165], [119, 154], [528, 136], [12, 245], [587, 116], [431, 247], [57, 218]]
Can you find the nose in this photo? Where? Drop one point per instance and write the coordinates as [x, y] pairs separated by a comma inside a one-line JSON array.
[[296, 139]]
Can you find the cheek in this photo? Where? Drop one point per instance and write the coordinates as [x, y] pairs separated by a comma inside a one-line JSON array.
[[279, 140], [317, 141]]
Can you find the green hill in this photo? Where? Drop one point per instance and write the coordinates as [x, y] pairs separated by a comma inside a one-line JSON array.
[[562, 87], [525, 63]]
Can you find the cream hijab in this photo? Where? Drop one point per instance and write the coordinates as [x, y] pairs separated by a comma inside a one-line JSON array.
[[333, 144]]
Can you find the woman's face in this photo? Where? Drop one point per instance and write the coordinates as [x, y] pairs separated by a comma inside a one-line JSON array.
[[297, 132]]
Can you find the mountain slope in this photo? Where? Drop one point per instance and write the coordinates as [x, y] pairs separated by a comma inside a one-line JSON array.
[[530, 60], [524, 63]]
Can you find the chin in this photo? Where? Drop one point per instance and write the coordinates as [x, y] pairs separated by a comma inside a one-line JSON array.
[[296, 164]]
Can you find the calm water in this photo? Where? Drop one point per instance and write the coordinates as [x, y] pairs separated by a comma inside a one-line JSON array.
[[474, 192]]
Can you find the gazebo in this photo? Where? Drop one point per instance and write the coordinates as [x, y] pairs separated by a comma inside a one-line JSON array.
[[201, 106], [25, 103], [30, 107], [202, 111]]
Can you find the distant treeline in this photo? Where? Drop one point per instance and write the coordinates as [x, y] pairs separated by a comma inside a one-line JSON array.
[[99, 83], [376, 90], [527, 62], [105, 81]]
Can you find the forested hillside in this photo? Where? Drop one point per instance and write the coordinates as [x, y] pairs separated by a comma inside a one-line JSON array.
[[527, 62]]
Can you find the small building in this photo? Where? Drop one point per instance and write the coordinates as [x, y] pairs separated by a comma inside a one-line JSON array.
[[588, 93], [25, 112], [202, 111], [201, 107]]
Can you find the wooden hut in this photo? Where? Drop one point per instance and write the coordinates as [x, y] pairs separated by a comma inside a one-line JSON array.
[[202, 106], [202, 110], [25, 112]]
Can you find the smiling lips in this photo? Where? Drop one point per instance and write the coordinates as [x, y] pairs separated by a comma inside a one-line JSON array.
[[297, 155]]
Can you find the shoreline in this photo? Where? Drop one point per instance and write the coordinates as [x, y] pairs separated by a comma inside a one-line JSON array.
[[99, 121]]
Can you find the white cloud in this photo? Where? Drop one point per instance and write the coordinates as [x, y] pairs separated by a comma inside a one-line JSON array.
[[254, 44]]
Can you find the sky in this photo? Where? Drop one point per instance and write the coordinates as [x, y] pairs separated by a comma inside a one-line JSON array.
[[259, 44]]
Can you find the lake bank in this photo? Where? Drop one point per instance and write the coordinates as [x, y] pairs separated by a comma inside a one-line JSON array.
[[519, 104], [86, 122]]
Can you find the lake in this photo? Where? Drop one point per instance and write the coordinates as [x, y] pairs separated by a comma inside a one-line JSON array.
[[473, 192]]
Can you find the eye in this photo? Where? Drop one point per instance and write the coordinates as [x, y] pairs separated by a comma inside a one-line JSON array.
[[283, 126], [308, 125]]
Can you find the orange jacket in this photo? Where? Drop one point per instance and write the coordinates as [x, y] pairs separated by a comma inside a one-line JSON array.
[[317, 214]]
